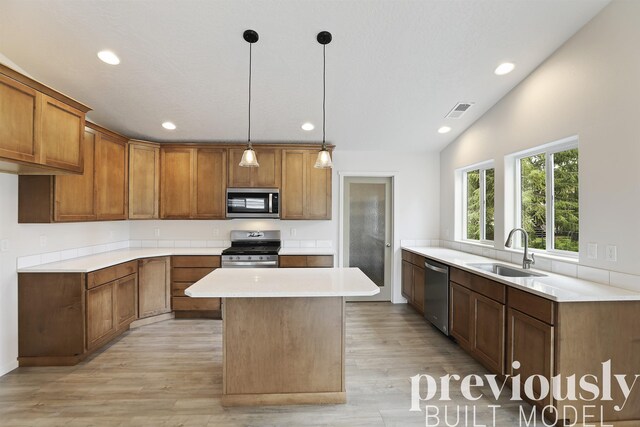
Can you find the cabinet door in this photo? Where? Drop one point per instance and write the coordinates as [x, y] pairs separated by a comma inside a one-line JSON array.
[[292, 199], [18, 133], [407, 280], [154, 290], [269, 173], [488, 333], [461, 315], [317, 189], [530, 342], [126, 300], [60, 136], [101, 313], [418, 288], [175, 176], [144, 181], [75, 194], [210, 173], [111, 177], [239, 176]]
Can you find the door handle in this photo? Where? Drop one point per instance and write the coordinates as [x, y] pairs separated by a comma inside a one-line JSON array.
[[388, 245]]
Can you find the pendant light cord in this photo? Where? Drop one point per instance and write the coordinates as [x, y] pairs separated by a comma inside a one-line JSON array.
[[249, 131], [324, 94]]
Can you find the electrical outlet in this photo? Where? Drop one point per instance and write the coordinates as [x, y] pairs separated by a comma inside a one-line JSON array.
[[4, 245], [156, 232], [43, 241], [592, 250], [612, 253], [293, 232]]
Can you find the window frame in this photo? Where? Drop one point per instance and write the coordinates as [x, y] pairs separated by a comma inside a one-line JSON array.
[[548, 150], [482, 169]]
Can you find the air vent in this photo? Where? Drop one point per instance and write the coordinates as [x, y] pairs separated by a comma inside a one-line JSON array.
[[459, 110]]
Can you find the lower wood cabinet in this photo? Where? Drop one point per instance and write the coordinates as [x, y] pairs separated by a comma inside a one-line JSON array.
[[101, 313], [185, 271], [413, 280], [154, 290], [476, 321], [305, 261], [126, 300]]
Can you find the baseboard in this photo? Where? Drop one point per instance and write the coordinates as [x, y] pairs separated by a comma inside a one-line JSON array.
[[150, 320], [5, 369]]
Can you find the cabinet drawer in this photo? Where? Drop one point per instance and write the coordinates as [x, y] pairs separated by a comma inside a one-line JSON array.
[[109, 274], [196, 261], [189, 274], [407, 256], [533, 305], [483, 286], [417, 260], [177, 288], [195, 304], [320, 261], [292, 261]]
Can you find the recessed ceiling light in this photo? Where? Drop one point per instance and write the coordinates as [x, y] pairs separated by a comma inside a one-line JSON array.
[[169, 126], [108, 57], [308, 126], [504, 68], [444, 129]]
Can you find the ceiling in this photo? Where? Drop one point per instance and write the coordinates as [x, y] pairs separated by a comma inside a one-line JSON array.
[[394, 69]]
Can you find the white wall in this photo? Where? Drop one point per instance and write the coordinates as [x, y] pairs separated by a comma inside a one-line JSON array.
[[416, 194], [590, 87]]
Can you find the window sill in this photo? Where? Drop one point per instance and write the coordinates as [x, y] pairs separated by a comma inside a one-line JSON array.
[[546, 255]]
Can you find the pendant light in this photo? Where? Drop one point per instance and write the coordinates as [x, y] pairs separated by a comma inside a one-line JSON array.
[[249, 159], [324, 157]]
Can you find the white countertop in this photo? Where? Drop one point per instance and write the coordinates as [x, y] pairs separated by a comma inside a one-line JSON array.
[[285, 282], [552, 286], [95, 262]]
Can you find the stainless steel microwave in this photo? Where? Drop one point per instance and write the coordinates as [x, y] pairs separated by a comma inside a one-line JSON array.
[[253, 203]]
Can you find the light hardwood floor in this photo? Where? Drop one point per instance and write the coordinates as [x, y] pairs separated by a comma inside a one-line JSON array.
[[170, 374]]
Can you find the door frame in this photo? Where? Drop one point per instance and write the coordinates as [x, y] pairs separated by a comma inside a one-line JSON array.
[[394, 246]]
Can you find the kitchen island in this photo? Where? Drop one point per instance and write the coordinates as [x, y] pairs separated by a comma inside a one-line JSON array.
[[283, 332]]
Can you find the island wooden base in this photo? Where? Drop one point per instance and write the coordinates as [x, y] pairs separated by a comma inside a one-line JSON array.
[[283, 351]]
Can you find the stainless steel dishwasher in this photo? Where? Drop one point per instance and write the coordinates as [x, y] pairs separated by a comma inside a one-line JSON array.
[[436, 294]]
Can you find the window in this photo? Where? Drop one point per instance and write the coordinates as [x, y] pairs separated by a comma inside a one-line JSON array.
[[478, 202], [547, 197]]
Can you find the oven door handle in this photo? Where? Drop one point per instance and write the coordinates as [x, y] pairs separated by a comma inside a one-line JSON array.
[[270, 202], [248, 263]]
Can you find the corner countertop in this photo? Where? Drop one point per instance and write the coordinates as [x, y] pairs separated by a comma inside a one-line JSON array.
[[551, 286], [286, 282], [95, 262]]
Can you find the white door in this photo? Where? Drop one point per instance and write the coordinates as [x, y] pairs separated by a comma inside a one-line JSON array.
[[367, 230]]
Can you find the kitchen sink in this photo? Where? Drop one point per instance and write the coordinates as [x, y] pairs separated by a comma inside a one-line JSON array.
[[504, 270]]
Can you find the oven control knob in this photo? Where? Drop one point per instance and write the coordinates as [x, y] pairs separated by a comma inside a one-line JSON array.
[[237, 257], [249, 258], [260, 257]]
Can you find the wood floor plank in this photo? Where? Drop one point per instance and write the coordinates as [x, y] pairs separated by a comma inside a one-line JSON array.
[[170, 374]]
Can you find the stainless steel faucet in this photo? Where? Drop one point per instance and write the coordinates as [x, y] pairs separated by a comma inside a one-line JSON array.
[[526, 260]]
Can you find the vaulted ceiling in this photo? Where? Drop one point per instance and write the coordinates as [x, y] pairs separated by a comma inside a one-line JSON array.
[[394, 69]]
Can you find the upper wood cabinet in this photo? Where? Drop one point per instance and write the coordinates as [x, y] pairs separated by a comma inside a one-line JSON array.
[[99, 193], [306, 191], [111, 170], [144, 180], [41, 130], [267, 175], [193, 183]]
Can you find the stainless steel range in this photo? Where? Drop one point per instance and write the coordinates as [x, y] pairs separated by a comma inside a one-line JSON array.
[[252, 249]]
